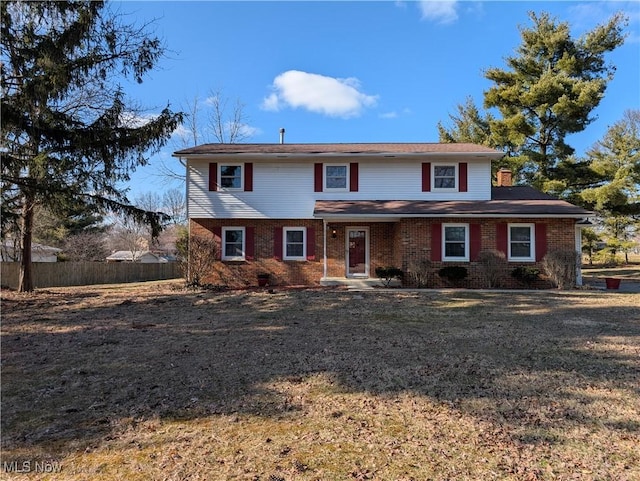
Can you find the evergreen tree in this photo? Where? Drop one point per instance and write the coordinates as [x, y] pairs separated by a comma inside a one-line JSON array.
[[69, 134], [469, 125], [616, 197], [548, 91]]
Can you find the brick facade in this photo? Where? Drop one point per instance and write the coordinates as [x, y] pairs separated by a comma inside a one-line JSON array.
[[405, 243]]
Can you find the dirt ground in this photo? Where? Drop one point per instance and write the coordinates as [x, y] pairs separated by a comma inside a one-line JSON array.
[[153, 381]]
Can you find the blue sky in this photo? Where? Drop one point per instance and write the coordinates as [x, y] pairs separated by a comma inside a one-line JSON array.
[[335, 71]]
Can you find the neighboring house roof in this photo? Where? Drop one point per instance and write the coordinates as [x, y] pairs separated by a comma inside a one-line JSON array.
[[41, 248], [128, 256], [505, 202], [338, 149]]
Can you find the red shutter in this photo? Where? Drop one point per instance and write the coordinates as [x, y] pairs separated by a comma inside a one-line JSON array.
[[436, 242], [317, 177], [426, 177], [217, 236], [353, 177], [250, 243], [462, 177], [502, 238], [476, 241], [311, 244], [277, 243], [248, 176], [541, 241], [213, 176]]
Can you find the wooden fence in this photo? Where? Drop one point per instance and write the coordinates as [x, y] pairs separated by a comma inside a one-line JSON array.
[[61, 274]]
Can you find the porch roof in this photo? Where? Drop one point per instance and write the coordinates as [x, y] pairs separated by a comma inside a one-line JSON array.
[[506, 202]]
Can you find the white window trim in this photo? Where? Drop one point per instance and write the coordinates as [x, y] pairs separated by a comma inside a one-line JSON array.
[[231, 164], [532, 229], [224, 244], [304, 244], [446, 258], [455, 174], [335, 189]]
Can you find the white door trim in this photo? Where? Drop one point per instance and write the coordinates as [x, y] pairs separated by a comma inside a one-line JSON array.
[[366, 254]]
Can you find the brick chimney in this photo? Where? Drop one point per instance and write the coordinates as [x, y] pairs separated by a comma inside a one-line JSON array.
[[504, 177]]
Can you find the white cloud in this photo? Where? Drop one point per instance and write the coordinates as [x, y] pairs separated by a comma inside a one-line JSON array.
[[389, 115], [134, 120], [439, 11], [330, 96]]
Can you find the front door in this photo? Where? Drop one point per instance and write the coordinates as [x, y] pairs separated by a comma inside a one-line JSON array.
[[357, 252]]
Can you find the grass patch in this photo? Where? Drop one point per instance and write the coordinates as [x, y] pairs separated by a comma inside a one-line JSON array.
[[155, 382]]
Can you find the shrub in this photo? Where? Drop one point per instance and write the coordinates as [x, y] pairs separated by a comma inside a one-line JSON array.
[[387, 274], [526, 275], [493, 264], [561, 266], [454, 274], [418, 272], [203, 252]]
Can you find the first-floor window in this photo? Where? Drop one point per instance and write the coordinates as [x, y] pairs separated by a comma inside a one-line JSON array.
[[521, 242], [233, 243], [455, 240], [294, 243]]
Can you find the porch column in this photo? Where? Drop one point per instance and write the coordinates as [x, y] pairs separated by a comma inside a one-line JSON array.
[[579, 253], [324, 248]]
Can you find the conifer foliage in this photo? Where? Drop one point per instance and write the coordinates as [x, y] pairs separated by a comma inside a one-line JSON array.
[[70, 135]]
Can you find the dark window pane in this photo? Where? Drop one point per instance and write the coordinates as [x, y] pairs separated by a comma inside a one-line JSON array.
[[232, 236], [520, 234], [295, 236], [454, 249], [454, 234], [295, 250], [444, 171], [520, 249]]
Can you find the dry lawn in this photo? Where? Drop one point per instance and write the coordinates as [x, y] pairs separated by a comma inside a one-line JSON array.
[[151, 382]]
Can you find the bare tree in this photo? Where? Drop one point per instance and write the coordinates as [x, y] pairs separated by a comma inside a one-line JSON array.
[[129, 235], [228, 125], [86, 246], [175, 206], [216, 119]]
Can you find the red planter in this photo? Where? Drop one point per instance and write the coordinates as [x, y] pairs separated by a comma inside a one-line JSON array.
[[612, 283]]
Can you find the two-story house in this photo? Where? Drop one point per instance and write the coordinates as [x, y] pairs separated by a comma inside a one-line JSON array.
[[311, 214]]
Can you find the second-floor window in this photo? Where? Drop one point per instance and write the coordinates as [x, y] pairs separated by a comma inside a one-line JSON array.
[[230, 176], [336, 177], [444, 176]]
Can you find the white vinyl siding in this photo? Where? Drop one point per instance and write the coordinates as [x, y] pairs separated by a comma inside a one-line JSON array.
[[285, 190]]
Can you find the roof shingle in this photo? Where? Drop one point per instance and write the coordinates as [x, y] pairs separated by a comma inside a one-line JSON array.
[[350, 148], [506, 201]]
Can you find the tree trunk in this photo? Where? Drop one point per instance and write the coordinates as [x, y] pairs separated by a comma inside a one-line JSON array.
[[26, 272]]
